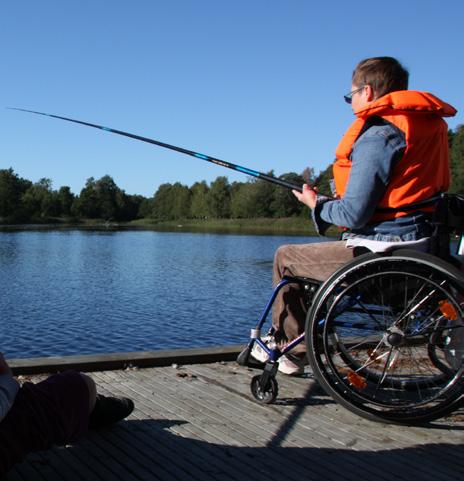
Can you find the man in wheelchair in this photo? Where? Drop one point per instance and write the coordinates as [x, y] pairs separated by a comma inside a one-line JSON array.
[[382, 331], [391, 167]]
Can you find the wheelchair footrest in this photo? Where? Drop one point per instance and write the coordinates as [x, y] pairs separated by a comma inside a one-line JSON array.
[[246, 359]]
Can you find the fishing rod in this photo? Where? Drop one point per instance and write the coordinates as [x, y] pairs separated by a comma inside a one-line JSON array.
[[222, 163]]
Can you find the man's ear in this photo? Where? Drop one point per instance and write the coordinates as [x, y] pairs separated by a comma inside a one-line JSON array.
[[369, 93]]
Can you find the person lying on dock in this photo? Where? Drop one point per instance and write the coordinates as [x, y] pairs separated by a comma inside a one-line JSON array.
[[394, 155], [59, 410]]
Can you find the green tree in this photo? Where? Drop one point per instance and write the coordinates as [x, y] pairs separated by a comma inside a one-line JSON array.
[[450, 138], [64, 201], [103, 199], [219, 198], [284, 203], [162, 202], [39, 200], [86, 204], [109, 198], [199, 200], [324, 180], [145, 208], [263, 196], [242, 200], [130, 206], [180, 201], [12, 188], [252, 199], [457, 160]]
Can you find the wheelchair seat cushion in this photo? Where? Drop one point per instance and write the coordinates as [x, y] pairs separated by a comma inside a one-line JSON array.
[[421, 245]]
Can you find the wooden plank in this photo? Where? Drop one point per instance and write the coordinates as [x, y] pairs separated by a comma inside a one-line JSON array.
[[87, 456], [169, 406], [272, 457], [424, 466], [122, 360], [315, 439], [228, 431], [62, 462], [199, 423]]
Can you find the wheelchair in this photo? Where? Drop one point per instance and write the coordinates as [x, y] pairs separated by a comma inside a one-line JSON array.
[[385, 333]]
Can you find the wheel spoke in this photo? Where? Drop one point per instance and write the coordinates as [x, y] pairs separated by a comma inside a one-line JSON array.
[[378, 353]]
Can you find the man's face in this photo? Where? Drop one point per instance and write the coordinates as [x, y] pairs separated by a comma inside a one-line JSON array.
[[362, 98], [358, 100]]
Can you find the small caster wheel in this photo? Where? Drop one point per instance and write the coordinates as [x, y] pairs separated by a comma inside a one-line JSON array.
[[266, 396]]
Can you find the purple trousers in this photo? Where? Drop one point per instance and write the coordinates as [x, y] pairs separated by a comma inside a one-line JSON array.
[[54, 411]]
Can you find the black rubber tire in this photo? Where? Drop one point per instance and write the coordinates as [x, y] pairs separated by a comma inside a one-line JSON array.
[[269, 395], [323, 345]]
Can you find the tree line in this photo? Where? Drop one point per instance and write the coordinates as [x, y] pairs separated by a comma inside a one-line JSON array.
[[24, 201]]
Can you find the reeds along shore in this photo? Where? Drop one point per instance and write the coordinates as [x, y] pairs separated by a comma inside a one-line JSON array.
[[297, 226]]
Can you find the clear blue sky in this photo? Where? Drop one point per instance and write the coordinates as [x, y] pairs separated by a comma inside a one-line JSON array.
[[254, 82]]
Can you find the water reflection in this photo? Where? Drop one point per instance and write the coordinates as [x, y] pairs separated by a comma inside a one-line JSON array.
[[78, 292]]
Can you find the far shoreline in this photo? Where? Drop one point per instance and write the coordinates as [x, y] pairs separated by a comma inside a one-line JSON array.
[[291, 226]]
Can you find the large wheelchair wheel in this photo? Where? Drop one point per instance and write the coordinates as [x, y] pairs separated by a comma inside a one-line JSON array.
[[385, 337]]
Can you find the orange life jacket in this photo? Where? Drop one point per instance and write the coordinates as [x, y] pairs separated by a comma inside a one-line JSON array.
[[424, 168]]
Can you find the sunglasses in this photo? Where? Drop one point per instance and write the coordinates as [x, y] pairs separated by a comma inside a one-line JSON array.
[[349, 96]]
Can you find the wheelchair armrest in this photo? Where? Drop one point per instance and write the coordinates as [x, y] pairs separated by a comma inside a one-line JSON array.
[[303, 281]]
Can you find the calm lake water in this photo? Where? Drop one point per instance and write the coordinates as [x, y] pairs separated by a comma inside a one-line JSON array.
[[81, 292]]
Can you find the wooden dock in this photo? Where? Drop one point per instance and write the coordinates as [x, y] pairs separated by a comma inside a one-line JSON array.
[[199, 422]]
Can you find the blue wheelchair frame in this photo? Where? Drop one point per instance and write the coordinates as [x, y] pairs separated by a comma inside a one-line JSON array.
[[264, 387], [273, 352]]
